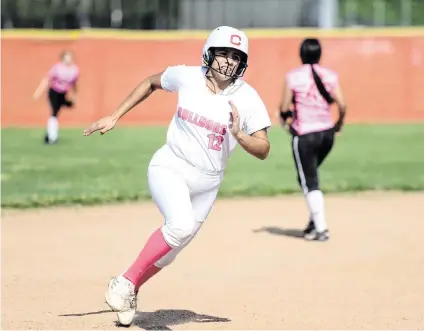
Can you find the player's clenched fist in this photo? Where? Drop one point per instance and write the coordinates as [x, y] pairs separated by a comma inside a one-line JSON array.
[[234, 123], [104, 125]]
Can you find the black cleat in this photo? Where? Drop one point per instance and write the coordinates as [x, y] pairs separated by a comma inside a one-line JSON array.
[[309, 229], [47, 141]]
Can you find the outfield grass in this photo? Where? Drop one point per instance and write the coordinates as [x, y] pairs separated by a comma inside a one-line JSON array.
[[101, 169]]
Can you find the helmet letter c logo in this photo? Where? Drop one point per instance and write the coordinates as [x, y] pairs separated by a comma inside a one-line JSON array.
[[235, 39]]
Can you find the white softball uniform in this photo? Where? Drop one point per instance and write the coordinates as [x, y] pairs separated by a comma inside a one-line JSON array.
[[185, 174]]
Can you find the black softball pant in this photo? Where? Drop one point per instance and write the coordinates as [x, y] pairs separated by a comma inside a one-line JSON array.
[[309, 151], [57, 100]]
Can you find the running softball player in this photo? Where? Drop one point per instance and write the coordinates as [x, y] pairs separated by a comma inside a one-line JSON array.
[[216, 111], [62, 83], [311, 89]]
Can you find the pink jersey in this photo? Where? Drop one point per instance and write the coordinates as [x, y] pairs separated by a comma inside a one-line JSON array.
[[63, 76], [312, 111]]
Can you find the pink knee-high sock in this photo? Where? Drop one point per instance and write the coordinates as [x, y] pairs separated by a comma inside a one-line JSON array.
[[155, 248], [149, 273]]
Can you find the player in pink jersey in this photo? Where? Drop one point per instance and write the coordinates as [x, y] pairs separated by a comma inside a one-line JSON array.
[[216, 111], [311, 89], [61, 82]]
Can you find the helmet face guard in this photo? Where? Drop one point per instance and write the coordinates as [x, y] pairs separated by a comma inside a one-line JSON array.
[[227, 37], [233, 72]]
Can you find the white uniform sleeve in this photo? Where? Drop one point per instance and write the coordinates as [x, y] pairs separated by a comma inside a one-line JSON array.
[[171, 78], [258, 117]]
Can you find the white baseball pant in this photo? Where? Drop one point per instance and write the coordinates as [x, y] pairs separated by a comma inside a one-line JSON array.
[[184, 196]]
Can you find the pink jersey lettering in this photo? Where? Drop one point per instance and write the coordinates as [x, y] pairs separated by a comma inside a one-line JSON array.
[[202, 121], [194, 119]]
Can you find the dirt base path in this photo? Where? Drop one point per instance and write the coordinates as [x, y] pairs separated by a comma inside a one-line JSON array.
[[245, 270]]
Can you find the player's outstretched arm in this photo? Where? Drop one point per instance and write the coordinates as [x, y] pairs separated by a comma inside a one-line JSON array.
[[256, 144], [44, 83], [140, 93]]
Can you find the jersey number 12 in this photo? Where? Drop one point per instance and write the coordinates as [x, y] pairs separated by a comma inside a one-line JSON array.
[[215, 141]]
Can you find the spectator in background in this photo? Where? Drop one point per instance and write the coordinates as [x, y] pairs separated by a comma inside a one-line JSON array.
[[61, 82], [311, 89]]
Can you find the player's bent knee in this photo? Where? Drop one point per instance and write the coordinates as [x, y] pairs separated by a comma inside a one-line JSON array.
[[170, 256], [177, 233]]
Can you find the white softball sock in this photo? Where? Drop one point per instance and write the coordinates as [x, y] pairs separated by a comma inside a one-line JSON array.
[[315, 200], [52, 128]]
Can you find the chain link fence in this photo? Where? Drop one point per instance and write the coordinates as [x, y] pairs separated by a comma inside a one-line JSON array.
[[207, 14]]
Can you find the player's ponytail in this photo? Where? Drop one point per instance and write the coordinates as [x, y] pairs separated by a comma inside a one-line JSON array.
[[321, 88], [310, 53]]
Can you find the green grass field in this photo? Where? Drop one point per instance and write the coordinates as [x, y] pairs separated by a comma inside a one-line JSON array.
[[110, 168]]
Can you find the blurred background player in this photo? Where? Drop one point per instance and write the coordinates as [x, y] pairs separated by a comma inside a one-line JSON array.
[[61, 82], [216, 111], [311, 89]]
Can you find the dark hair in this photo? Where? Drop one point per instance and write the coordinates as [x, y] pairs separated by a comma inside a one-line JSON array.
[[310, 53]]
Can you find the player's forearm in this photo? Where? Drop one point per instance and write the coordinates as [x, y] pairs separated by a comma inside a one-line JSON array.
[[42, 86], [257, 147], [342, 112], [140, 93]]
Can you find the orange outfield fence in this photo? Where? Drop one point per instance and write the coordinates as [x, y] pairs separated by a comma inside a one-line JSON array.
[[381, 73]]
